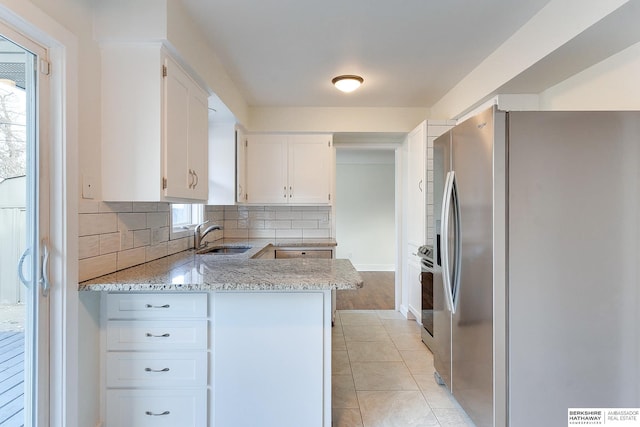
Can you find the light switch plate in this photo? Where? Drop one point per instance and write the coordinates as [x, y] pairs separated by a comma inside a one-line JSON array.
[[87, 187]]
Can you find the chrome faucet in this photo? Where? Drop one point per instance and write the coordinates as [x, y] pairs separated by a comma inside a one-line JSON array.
[[197, 236]]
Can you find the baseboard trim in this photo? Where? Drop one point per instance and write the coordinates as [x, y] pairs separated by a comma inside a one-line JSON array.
[[404, 311], [375, 267]]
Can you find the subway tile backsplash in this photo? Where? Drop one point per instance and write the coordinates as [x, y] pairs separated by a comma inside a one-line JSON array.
[[273, 222], [118, 235], [435, 128]]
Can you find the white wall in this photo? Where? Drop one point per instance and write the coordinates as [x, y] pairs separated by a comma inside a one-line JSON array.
[[322, 119], [545, 33], [612, 84], [365, 208], [76, 18]]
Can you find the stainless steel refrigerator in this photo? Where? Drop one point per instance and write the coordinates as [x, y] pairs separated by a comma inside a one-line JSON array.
[[536, 285]]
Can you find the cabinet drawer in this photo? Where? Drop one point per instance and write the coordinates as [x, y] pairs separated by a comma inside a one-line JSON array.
[[163, 335], [152, 305], [186, 369], [156, 408], [313, 253]]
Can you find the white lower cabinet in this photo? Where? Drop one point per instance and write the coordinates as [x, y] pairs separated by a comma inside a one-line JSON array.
[[272, 360], [177, 369], [157, 408], [217, 359], [156, 359], [140, 335]]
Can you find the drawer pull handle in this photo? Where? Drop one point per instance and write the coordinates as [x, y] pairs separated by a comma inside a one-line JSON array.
[[157, 415], [156, 370], [150, 335], [158, 306]]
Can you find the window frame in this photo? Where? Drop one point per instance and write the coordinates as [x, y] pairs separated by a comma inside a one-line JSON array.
[[185, 229]]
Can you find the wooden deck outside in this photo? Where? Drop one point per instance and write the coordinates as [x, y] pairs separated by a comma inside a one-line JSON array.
[[11, 379]]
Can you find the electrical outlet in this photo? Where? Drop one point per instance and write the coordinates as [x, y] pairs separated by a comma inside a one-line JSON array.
[[87, 187]]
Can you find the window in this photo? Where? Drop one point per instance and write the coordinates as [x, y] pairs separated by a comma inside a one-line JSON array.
[[184, 218]]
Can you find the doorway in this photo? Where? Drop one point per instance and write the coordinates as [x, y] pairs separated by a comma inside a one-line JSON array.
[[365, 214], [24, 226]]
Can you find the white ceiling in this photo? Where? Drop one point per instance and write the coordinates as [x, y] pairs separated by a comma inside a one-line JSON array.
[[409, 52]]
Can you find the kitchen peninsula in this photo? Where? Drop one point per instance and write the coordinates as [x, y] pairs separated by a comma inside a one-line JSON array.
[[220, 340]]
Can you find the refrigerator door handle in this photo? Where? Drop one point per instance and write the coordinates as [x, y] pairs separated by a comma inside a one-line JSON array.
[[457, 249], [444, 221]]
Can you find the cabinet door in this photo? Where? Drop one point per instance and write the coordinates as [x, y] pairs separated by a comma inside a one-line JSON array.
[[417, 184], [176, 105], [241, 170], [198, 142], [414, 271], [309, 169], [256, 336], [266, 169]]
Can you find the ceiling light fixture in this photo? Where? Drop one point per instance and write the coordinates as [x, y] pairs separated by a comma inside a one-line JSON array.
[[347, 83]]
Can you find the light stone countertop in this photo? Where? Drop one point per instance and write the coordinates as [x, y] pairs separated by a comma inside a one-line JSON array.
[[189, 271]]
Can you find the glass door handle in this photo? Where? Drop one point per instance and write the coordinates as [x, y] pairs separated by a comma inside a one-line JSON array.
[[24, 280], [45, 285]]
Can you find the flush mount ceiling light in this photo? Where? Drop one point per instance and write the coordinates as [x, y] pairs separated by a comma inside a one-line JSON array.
[[347, 83]]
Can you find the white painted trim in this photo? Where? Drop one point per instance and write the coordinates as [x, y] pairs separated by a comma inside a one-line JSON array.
[[368, 145], [63, 104], [375, 267], [414, 314], [399, 227], [479, 109]]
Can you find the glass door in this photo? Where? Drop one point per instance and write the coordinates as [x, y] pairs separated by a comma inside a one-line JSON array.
[[24, 196]]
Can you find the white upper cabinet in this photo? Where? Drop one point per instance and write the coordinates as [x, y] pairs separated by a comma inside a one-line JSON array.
[[416, 179], [226, 182], [266, 157], [295, 169], [309, 169], [241, 165], [154, 127]]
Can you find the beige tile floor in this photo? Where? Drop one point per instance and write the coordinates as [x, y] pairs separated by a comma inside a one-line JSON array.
[[382, 375]]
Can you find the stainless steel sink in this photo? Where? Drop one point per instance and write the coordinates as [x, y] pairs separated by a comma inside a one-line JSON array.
[[224, 250]]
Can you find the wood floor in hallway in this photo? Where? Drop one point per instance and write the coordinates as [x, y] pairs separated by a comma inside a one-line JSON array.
[[378, 293]]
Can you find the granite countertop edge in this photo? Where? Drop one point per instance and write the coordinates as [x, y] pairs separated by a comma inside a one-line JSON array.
[[188, 272]]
